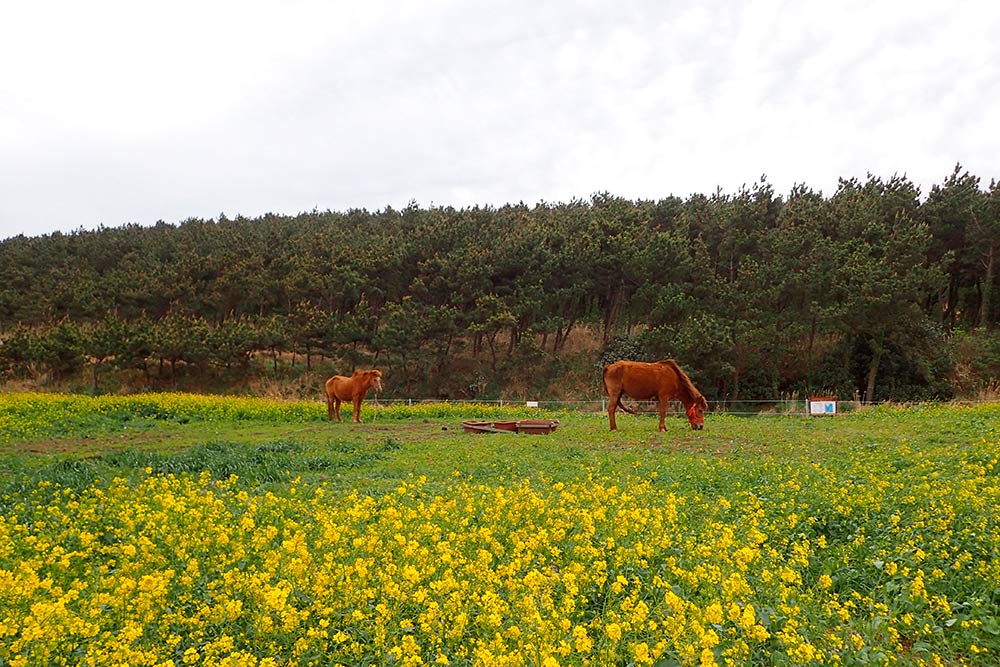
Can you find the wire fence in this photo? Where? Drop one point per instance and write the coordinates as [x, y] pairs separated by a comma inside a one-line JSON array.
[[776, 407]]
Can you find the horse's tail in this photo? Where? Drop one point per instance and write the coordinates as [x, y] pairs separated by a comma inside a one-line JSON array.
[[618, 404], [622, 406], [328, 395]]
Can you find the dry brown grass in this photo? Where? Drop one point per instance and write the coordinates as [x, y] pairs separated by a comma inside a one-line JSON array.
[[989, 393]]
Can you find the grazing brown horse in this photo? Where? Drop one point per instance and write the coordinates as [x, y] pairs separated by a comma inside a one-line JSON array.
[[663, 380], [354, 388]]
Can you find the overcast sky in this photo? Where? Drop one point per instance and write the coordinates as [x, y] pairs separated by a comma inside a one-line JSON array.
[[132, 112]]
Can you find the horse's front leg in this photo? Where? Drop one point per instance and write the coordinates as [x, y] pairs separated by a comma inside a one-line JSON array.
[[357, 409], [662, 406]]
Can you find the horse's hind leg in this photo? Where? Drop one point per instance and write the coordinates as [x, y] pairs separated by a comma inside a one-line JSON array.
[[336, 408], [613, 398]]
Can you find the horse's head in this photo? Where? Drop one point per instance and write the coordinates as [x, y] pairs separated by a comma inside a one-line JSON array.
[[696, 413], [366, 380]]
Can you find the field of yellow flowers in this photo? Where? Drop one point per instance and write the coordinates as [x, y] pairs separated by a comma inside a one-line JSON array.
[[275, 538]]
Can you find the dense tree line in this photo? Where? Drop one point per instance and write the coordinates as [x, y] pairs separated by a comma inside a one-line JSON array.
[[860, 292]]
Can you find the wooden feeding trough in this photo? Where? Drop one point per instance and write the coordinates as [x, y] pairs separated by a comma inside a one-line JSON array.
[[473, 426], [536, 426]]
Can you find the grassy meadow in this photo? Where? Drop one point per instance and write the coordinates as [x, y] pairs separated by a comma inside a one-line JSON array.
[[176, 529]]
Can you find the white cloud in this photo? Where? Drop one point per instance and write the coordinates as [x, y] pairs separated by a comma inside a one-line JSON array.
[[123, 112]]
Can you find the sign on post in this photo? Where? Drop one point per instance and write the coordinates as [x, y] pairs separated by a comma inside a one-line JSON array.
[[820, 406]]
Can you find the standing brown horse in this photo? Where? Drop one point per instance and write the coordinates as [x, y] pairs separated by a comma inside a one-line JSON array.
[[354, 388], [663, 381]]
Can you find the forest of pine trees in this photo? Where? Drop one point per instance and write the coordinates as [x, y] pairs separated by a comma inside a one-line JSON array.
[[875, 291]]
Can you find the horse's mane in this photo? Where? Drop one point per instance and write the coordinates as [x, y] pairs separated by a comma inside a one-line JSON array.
[[687, 388]]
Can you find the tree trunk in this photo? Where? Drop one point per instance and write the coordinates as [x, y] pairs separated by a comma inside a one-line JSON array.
[[987, 295], [491, 339], [951, 314], [611, 311], [561, 340], [809, 352], [873, 371]]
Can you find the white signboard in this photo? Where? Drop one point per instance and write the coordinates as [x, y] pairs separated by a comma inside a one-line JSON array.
[[822, 406], [532, 404]]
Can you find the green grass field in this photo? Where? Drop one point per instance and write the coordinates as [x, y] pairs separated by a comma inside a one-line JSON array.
[[179, 529]]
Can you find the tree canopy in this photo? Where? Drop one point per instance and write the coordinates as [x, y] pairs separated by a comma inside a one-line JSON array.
[[757, 294]]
